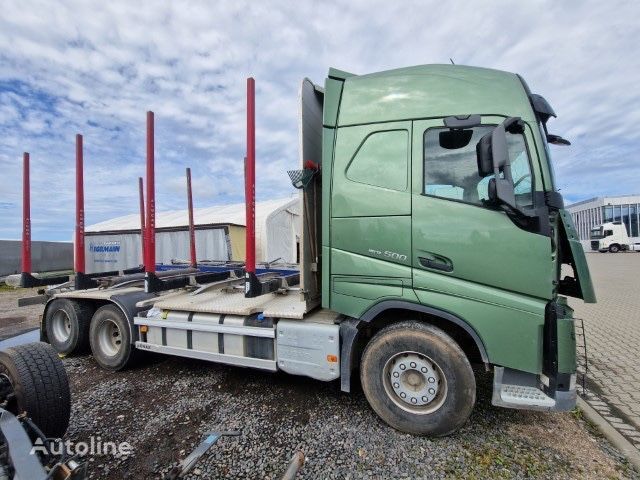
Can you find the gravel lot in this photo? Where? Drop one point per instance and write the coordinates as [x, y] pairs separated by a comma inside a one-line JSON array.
[[13, 319], [163, 406]]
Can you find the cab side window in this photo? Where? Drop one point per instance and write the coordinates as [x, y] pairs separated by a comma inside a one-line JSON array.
[[381, 160], [451, 169]]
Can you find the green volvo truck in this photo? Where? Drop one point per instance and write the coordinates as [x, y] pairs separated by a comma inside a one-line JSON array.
[[433, 239]]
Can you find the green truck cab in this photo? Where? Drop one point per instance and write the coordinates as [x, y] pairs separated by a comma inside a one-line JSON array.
[[439, 208]]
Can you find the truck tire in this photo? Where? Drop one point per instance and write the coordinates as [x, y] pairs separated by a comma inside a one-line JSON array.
[[67, 325], [39, 386], [615, 248], [110, 338], [418, 379]]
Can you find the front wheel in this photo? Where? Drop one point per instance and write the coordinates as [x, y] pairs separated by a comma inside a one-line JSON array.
[[417, 379]]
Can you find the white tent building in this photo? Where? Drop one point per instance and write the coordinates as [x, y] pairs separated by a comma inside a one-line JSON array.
[[220, 236]]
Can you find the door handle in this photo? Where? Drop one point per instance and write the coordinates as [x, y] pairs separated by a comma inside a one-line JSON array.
[[437, 263]]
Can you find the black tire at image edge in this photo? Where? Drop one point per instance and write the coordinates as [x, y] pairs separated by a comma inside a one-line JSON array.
[[40, 384]]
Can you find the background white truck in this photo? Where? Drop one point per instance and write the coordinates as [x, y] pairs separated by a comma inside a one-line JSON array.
[[611, 237]]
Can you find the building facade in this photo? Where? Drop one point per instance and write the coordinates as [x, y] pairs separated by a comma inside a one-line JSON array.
[[596, 211]]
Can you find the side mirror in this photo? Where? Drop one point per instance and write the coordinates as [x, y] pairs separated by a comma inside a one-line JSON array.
[[493, 156], [483, 154], [557, 140]]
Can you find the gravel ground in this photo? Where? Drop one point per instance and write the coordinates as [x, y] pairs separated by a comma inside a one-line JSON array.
[[13, 319], [163, 407]]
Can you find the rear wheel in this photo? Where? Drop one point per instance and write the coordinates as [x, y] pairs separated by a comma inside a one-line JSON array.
[[33, 380], [67, 325], [417, 379], [110, 338], [614, 248]]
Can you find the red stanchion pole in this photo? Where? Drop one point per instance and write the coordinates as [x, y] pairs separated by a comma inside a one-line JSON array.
[[26, 215], [150, 247], [250, 179], [79, 243]]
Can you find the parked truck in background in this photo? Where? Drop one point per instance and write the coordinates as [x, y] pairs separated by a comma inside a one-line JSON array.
[[611, 237], [433, 239]]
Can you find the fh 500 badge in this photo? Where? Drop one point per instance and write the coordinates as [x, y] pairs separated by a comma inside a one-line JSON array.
[[387, 254]]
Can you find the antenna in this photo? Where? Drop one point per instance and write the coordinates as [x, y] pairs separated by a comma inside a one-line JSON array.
[[451, 60]]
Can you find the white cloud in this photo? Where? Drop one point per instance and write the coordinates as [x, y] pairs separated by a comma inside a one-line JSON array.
[[95, 68]]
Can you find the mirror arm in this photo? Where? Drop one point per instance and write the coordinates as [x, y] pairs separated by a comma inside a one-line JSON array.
[[504, 186]]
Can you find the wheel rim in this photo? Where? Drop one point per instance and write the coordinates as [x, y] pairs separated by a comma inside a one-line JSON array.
[[109, 338], [61, 326], [414, 382], [7, 393]]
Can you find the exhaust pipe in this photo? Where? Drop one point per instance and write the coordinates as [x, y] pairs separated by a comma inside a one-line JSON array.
[[192, 229]]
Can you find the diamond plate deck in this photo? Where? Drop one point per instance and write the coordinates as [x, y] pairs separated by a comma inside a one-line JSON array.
[[234, 303]]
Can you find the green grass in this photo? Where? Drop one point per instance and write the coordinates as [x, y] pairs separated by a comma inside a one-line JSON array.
[[592, 428]]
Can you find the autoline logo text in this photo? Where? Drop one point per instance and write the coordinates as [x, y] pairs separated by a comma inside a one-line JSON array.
[[95, 446]]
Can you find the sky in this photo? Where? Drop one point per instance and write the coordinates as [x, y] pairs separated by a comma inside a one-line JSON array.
[[96, 67]]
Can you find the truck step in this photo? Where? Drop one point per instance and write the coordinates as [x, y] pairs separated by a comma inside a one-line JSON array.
[[515, 389]]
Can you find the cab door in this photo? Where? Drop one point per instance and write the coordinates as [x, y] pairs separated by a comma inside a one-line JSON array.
[[370, 216], [460, 244]]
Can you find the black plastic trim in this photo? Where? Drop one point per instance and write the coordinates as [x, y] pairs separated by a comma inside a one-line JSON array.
[[221, 335], [127, 303], [348, 336], [190, 332], [550, 345], [435, 264], [462, 121], [554, 200]]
